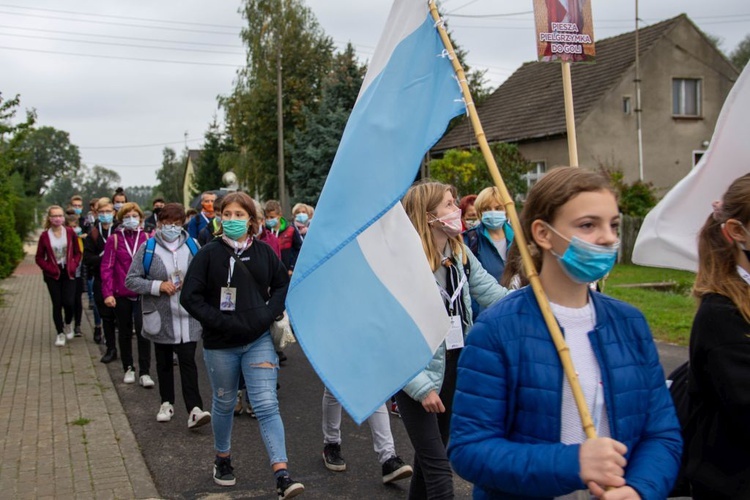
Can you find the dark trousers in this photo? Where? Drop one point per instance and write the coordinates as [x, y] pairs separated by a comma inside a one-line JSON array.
[[61, 292], [107, 315], [428, 433], [78, 301], [188, 373], [128, 314]]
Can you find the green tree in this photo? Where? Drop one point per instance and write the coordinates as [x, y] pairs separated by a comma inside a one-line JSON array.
[[88, 182], [635, 199], [208, 170], [741, 54], [467, 170], [144, 196], [44, 154], [316, 145], [11, 134], [274, 27], [171, 176]]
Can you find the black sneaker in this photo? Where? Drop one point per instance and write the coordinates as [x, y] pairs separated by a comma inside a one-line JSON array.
[[109, 356], [332, 457], [97, 334], [77, 331], [224, 472], [282, 356], [394, 469], [287, 487]]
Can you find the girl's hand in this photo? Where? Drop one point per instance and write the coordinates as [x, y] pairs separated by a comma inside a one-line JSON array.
[[168, 288], [624, 493], [432, 403], [603, 462], [110, 301]]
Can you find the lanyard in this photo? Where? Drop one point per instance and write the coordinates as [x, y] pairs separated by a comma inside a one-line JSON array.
[[237, 251], [452, 299], [744, 275], [131, 251], [101, 232], [205, 218]]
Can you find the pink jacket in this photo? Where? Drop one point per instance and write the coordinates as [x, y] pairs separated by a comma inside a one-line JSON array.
[[45, 256], [116, 261]]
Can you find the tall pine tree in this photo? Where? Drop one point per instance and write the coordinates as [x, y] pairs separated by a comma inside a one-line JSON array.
[[208, 170], [315, 147]]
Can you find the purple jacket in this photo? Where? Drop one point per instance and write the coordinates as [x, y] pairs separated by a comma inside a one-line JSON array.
[[116, 261]]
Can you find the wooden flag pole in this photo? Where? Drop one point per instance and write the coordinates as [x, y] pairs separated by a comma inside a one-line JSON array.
[[510, 209], [570, 115]]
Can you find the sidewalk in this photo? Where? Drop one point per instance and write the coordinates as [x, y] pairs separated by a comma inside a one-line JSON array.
[[64, 431]]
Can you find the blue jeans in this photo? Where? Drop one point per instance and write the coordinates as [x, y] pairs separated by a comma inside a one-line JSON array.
[[224, 366]]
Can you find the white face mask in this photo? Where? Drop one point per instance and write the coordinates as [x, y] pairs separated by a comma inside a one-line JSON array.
[[450, 223]]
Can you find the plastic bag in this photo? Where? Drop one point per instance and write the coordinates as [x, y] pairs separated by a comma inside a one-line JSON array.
[[281, 333]]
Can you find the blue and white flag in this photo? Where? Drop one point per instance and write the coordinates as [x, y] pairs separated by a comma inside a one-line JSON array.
[[363, 300]]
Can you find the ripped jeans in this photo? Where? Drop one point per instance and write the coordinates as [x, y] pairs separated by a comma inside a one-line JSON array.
[[260, 365]]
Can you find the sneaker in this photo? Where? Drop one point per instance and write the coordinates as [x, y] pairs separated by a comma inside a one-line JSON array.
[[394, 409], [60, 340], [394, 469], [238, 406], [287, 487], [69, 334], [146, 381], [77, 331], [165, 412], [282, 356], [129, 377], [250, 411], [109, 356], [97, 334], [198, 418], [332, 457], [224, 472]]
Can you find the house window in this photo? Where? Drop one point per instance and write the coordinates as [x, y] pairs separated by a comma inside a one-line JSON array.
[[686, 97], [536, 173], [627, 108]]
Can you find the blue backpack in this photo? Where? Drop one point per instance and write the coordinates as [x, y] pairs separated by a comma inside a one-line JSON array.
[[148, 255]]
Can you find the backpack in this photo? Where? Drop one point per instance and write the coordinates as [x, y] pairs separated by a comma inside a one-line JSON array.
[[148, 255], [679, 392]]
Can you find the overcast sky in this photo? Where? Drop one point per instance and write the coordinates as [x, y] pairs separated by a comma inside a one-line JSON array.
[[126, 79]]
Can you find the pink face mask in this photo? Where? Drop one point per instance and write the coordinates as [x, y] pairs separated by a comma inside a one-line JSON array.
[[451, 223], [57, 220]]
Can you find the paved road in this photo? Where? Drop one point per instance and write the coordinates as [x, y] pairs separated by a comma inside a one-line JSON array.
[[181, 460]]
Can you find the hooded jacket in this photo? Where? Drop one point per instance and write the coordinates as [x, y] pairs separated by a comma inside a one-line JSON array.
[[261, 290], [45, 256]]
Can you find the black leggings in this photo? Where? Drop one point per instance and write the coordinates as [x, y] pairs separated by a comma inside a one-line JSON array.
[[107, 315], [61, 292], [188, 373], [128, 313], [428, 433]]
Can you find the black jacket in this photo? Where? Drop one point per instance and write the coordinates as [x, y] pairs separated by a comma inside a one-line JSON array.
[[93, 247], [258, 301], [717, 447]]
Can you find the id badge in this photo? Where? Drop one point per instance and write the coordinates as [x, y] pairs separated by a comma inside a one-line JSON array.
[[228, 298], [455, 338], [176, 278]]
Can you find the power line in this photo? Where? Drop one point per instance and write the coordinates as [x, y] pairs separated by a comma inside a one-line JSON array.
[[169, 21], [187, 30], [140, 145], [139, 39], [107, 164], [485, 16], [120, 44], [121, 57]]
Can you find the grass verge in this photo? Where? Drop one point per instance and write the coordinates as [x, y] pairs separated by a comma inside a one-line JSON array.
[[669, 313]]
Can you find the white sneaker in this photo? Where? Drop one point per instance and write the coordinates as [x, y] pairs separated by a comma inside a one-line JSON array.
[[60, 340], [129, 377], [165, 412], [198, 418], [146, 381], [69, 334]]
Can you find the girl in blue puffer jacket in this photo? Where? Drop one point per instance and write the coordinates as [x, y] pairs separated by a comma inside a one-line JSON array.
[[425, 403], [516, 432]]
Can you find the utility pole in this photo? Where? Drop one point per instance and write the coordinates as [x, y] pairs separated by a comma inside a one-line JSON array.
[[280, 115], [638, 110]]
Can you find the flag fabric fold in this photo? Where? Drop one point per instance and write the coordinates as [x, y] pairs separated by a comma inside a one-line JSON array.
[[363, 300], [669, 234]]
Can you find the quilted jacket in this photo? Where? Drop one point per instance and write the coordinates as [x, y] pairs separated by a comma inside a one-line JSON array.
[[505, 430]]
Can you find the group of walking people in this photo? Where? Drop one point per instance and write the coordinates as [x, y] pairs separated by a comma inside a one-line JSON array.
[[493, 404]]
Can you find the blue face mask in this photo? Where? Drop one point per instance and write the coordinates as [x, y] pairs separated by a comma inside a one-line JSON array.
[[106, 218], [170, 232], [271, 223], [234, 229], [494, 219], [302, 218], [78, 211], [586, 262]]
